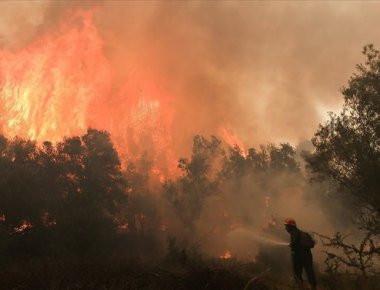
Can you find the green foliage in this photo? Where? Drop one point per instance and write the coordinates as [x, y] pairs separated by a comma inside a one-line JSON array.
[[347, 147]]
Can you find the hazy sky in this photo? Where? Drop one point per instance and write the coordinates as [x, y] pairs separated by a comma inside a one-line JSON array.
[[268, 71]]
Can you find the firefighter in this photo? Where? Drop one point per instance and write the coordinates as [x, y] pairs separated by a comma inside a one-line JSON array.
[[300, 245]]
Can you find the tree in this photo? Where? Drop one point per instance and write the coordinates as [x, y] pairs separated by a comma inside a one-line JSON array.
[[59, 197], [360, 258], [269, 160], [198, 180], [141, 214], [93, 191], [347, 146]]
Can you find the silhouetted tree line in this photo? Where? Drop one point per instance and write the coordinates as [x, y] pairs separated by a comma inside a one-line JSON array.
[[215, 171], [75, 199], [59, 198]]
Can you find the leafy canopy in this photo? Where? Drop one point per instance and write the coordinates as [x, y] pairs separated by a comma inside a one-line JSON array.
[[347, 146]]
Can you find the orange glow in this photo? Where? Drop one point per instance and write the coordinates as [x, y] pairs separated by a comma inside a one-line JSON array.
[[226, 255], [62, 83], [24, 225], [159, 174], [123, 227], [48, 86], [231, 139]]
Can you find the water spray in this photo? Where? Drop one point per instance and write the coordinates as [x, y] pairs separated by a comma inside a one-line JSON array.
[[259, 238], [267, 240]]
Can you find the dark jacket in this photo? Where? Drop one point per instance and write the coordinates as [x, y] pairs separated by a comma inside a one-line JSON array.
[[295, 244], [301, 258]]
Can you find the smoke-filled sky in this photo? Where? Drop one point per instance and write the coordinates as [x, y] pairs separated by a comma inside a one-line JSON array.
[[154, 74], [260, 71]]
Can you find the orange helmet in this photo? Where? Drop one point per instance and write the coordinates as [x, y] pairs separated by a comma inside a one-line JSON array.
[[290, 222]]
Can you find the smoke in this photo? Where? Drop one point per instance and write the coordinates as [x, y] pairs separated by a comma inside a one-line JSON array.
[[267, 71], [264, 72], [263, 69], [247, 216]]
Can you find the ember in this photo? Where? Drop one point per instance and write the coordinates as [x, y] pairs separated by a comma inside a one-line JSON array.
[[226, 255]]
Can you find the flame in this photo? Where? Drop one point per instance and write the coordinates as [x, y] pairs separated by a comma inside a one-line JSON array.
[[231, 138], [47, 87], [62, 83], [24, 225], [123, 228], [226, 255], [159, 174]]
